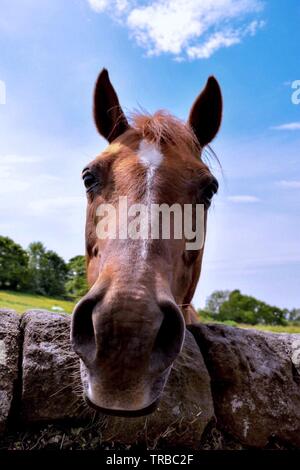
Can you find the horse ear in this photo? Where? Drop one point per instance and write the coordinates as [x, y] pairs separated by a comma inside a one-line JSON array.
[[206, 113], [108, 115]]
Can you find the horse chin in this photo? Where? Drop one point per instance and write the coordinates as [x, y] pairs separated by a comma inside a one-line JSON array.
[[129, 403], [130, 413]]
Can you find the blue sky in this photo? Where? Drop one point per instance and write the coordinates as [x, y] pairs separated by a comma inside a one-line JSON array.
[[159, 54]]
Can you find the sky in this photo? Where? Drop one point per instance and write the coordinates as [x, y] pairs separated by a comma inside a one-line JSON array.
[[159, 54]]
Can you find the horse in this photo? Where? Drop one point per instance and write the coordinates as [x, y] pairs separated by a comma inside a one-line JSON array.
[[130, 326]]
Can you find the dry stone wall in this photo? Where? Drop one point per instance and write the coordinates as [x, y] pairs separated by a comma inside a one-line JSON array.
[[229, 388]]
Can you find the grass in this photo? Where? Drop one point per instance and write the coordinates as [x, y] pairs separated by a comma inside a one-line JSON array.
[[290, 328], [21, 302], [274, 328]]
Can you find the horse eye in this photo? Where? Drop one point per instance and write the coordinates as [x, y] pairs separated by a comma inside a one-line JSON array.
[[89, 180], [209, 192]]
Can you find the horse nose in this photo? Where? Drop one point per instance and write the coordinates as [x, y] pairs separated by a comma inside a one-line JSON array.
[[82, 333], [169, 337], [156, 331], [126, 347], [82, 329]]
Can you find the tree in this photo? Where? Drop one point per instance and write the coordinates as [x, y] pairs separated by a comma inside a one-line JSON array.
[[56, 274], [294, 315], [246, 309], [47, 271], [36, 252], [215, 301], [76, 285], [13, 265]]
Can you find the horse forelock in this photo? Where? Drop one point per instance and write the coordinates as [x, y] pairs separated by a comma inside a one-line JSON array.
[[162, 128]]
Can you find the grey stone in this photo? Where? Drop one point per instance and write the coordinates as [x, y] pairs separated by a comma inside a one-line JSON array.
[[9, 356], [255, 383], [50, 369]]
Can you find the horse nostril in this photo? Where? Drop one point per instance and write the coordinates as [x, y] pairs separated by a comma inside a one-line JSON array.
[[169, 339], [82, 329]]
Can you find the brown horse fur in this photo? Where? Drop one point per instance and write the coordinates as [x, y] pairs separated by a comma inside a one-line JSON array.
[[129, 328]]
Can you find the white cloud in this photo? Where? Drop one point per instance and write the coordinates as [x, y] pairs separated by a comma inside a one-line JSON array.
[[291, 126], [185, 28], [289, 184], [215, 42], [221, 39], [243, 199], [101, 5]]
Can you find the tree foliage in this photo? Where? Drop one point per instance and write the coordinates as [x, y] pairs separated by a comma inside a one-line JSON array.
[[235, 306], [215, 301], [40, 271], [47, 271], [76, 284], [294, 315], [13, 265]]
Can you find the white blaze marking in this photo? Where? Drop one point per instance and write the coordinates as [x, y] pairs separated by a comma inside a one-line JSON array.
[[149, 154], [151, 157]]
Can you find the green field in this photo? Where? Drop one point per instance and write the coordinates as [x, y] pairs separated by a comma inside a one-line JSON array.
[[272, 328], [22, 302]]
